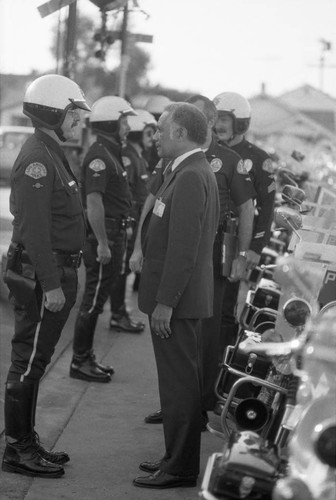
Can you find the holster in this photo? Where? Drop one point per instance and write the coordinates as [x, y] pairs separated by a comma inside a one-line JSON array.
[[229, 249], [19, 276]]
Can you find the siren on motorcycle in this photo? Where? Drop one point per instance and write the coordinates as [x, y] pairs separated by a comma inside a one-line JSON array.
[[254, 413]]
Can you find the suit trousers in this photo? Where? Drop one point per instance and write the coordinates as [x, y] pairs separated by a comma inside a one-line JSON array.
[[178, 360]]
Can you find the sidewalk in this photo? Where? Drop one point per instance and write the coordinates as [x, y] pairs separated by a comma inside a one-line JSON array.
[[101, 426]]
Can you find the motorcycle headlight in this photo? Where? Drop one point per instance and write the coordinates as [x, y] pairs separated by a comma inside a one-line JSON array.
[[324, 440]]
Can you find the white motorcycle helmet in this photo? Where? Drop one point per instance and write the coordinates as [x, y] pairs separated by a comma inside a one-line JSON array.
[[236, 106], [141, 120], [156, 105], [49, 97], [106, 112]]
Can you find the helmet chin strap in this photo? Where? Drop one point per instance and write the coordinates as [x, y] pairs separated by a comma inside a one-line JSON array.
[[59, 133]]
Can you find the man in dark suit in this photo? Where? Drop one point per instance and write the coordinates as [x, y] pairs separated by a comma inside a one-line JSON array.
[[176, 289]]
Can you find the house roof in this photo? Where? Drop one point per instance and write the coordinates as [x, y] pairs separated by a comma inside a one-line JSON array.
[[273, 115], [309, 98]]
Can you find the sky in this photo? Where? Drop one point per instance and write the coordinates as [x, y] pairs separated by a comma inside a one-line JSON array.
[[203, 46]]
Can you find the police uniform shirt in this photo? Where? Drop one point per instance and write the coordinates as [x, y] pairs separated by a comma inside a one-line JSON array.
[[260, 167], [104, 173], [137, 172], [45, 202], [234, 183]]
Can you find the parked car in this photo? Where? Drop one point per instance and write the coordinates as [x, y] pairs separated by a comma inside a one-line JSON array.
[[11, 140]]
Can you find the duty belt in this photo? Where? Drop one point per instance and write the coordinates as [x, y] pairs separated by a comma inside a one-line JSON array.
[[64, 259], [120, 223], [68, 259]]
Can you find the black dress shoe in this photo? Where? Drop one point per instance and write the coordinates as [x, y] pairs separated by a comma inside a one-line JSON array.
[[150, 466], [161, 480], [154, 418], [126, 324]]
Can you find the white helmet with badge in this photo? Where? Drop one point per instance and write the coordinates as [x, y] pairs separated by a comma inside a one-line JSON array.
[[50, 97], [156, 104], [141, 120], [110, 108], [236, 106]]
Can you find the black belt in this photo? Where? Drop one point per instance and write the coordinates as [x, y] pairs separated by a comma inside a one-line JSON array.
[[118, 224], [68, 259], [64, 259]]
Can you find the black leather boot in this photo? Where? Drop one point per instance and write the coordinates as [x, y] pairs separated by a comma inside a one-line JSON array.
[[55, 457], [83, 368], [104, 368], [21, 454]]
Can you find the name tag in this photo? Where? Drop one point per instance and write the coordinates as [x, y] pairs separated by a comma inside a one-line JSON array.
[[159, 208]]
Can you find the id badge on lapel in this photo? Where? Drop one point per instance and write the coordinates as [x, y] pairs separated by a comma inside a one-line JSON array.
[[159, 207]]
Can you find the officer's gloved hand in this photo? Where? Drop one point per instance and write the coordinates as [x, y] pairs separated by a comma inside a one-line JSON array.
[[55, 300], [252, 259]]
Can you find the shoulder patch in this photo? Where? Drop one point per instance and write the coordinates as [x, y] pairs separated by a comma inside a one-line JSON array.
[[268, 167], [97, 165], [126, 161], [36, 170], [241, 167], [248, 164], [216, 164]]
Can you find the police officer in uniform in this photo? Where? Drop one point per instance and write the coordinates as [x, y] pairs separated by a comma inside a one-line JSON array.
[[234, 186], [234, 115], [42, 261], [108, 201], [155, 105], [138, 174], [236, 195]]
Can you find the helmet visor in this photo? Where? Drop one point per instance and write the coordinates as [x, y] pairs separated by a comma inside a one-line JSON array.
[[80, 104], [128, 112]]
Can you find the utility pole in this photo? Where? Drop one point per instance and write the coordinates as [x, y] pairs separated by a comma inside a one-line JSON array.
[[124, 57], [326, 47], [70, 39], [52, 6]]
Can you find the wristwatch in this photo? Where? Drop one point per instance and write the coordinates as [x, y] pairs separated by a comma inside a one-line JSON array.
[[243, 253]]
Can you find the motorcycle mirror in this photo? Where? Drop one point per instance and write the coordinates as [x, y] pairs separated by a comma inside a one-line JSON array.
[[296, 312], [288, 218], [293, 194]]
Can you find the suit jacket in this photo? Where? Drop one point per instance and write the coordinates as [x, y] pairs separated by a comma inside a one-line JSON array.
[[177, 269]]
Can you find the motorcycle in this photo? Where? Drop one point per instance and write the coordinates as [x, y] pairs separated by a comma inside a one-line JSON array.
[[259, 315], [311, 463], [256, 459], [256, 432]]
